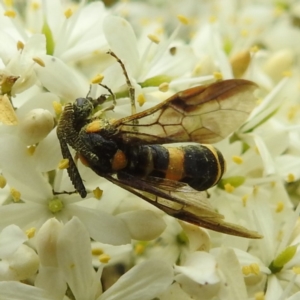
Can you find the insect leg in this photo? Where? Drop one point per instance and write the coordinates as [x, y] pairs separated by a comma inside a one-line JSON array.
[[130, 86], [72, 170]]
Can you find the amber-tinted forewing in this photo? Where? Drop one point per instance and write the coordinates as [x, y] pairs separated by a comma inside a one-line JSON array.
[[203, 114], [180, 201]]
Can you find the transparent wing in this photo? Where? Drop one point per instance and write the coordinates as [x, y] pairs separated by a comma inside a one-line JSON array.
[[180, 201], [203, 114]]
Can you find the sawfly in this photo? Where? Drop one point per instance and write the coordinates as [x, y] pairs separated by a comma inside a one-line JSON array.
[[133, 152]]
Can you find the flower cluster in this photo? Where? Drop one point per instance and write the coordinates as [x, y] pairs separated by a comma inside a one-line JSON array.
[[113, 245]]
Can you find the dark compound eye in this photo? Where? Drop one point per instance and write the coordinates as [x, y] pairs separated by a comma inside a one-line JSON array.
[[83, 108]]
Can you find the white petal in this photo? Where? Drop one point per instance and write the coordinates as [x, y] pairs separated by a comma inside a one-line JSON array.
[[81, 34], [143, 225], [75, 259], [234, 284], [197, 236], [61, 79], [11, 237], [48, 153], [122, 41], [46, 240], [200, 267], [274, 289], [102, 227], [23, 215], [35, 126], [19, 291], [144, 281], [20, 170], [23, 263], [49, 277]]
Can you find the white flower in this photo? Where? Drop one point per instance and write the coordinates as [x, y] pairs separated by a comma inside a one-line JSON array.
[[66, 258]]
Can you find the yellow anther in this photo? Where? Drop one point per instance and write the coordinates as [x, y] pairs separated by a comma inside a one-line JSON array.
[[104, 258], [182, 19], [255, 190], [97, 79], [237, 159], [164, 87], [229, 188], [97, 251], [254, 49], [218, 75], [245, 200], [290, 178], [2, 182], [35, 5], [30, 232], [57, 107], [244, 33], [10, 13], [259, 296], [287, 73], [296, 270], [98, 193], [31, 149], [63, 164], [141, 99], [39, 61], [15, 194], [139, 249], [279, 207], [20, 45], [255, 269], [212, 19], [153, 38], [68, 13]]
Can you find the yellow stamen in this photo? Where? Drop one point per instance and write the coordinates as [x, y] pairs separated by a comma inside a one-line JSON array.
[[2, 182], [30, 232], [218, 75], [280, 207], [212, 19], [68, 13], [97, 251], [296, 270], [104, 258], [182, 19], [240, 62], [259, 296], [20, 45], [15, 194], [164, 87], [244, 33], [229, 188], [255, 190], [57, 107], [153, 38], [39, 61], [139, 249], [245, 200], [254, 49], [141, 99], [97, 79], [31, 149], [287, 73], [8, 2], [98, 193], [63, 164], [35, 5], [237, 159], [10, 13], [290, 178]]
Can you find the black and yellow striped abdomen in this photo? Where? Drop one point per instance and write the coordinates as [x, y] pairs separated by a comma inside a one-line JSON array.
[[200, 166]]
